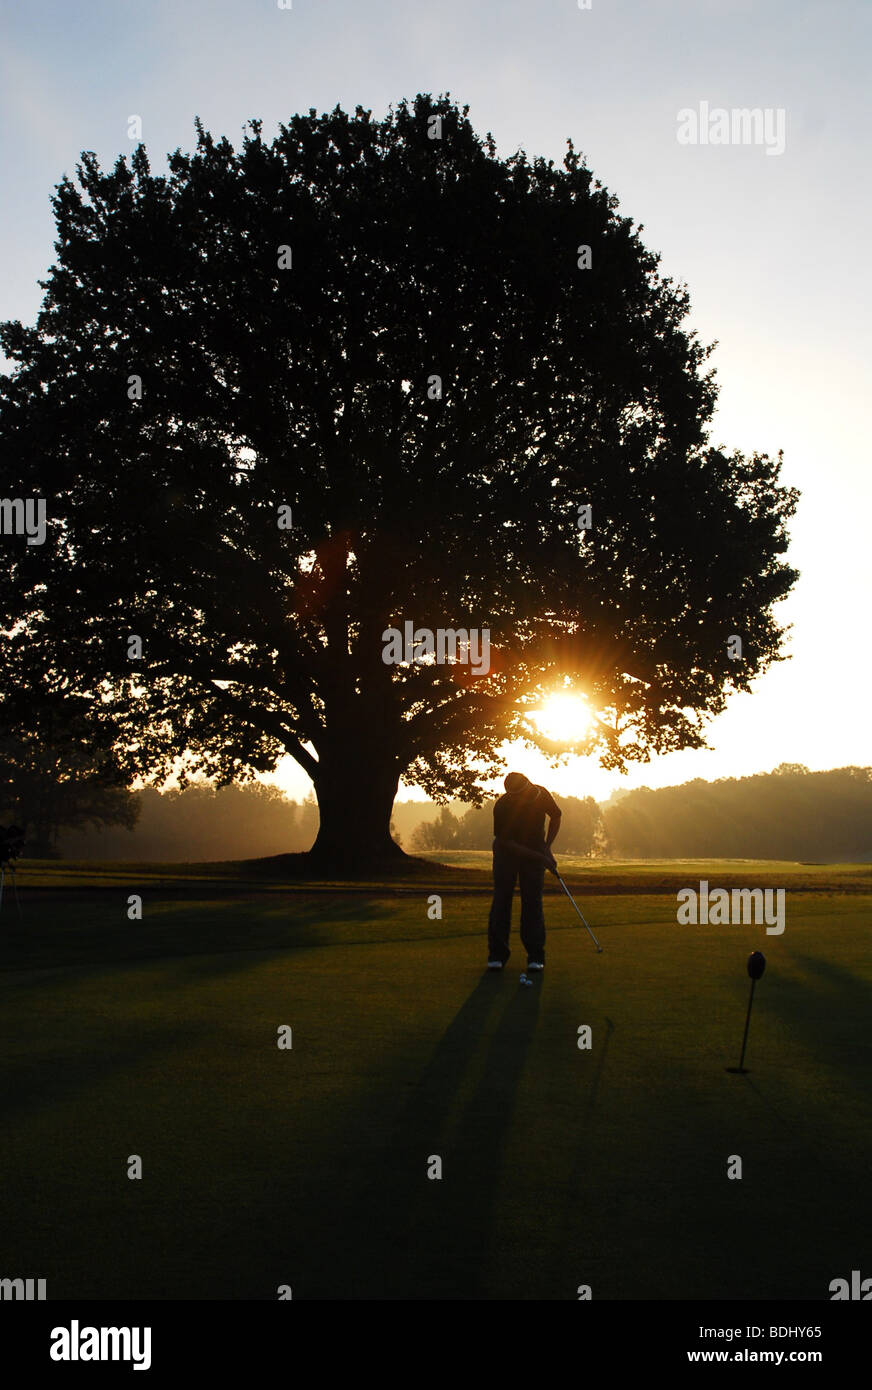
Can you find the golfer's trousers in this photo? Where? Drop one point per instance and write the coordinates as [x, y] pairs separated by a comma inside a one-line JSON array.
[[508, 869]]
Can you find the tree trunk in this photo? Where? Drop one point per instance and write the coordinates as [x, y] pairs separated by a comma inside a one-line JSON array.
[[356, 793]]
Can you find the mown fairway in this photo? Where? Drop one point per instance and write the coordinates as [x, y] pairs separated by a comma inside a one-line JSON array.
[[308, 1167]]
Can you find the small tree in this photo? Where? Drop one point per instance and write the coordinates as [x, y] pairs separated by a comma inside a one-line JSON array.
[[581, 826], [440, 833], [59, 770]]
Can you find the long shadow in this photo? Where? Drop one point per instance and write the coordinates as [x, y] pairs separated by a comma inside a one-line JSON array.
[[101, 939], [667, 1217], [832, 1017], [44, 1079], [401, 1234], [580, 1140], [858, 989], [457, 1231]]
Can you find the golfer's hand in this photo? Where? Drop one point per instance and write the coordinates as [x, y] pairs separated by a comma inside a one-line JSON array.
[[549, 861]]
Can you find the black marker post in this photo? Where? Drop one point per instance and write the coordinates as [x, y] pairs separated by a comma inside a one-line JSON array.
[[756, 966]]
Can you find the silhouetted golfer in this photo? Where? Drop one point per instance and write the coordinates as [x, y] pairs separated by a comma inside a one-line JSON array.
[[521, 851]]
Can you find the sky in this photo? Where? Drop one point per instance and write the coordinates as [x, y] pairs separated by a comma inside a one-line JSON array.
[[773, 247]]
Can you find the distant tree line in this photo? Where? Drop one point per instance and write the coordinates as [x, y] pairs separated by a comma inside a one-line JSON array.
[[202, 823], [581, 828], [789, 813], [76, 808]]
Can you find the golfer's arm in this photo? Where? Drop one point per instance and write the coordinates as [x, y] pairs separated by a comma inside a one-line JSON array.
[[553, 828]]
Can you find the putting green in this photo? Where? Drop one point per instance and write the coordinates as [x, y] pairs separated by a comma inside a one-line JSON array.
[[308, 1166]]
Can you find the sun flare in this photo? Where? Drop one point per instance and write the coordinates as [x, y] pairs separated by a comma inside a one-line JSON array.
[[563, 718]]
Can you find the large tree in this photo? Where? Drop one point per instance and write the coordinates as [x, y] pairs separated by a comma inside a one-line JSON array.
[[398, 335]]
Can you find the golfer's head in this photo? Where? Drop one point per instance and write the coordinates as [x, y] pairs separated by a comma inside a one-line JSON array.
[[516, 782]]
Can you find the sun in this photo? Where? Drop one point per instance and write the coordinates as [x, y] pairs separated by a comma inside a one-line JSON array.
[[563, 718]]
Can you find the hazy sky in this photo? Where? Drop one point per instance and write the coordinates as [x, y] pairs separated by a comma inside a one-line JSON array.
[[774, 248]]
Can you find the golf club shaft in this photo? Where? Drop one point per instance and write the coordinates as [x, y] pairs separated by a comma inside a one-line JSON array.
[[578, 910]]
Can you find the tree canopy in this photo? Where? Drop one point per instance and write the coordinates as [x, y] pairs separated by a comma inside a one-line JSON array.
[[286, 397]]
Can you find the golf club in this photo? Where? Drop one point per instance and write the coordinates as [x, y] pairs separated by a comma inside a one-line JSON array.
[[578, 910]]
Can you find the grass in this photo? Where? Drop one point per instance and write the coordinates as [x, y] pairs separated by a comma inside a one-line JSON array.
[[308, 1166]]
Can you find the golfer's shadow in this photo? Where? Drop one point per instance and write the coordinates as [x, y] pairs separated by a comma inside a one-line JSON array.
[[460, 1113]]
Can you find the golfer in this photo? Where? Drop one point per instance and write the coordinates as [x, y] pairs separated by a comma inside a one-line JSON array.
[[521, 851]]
